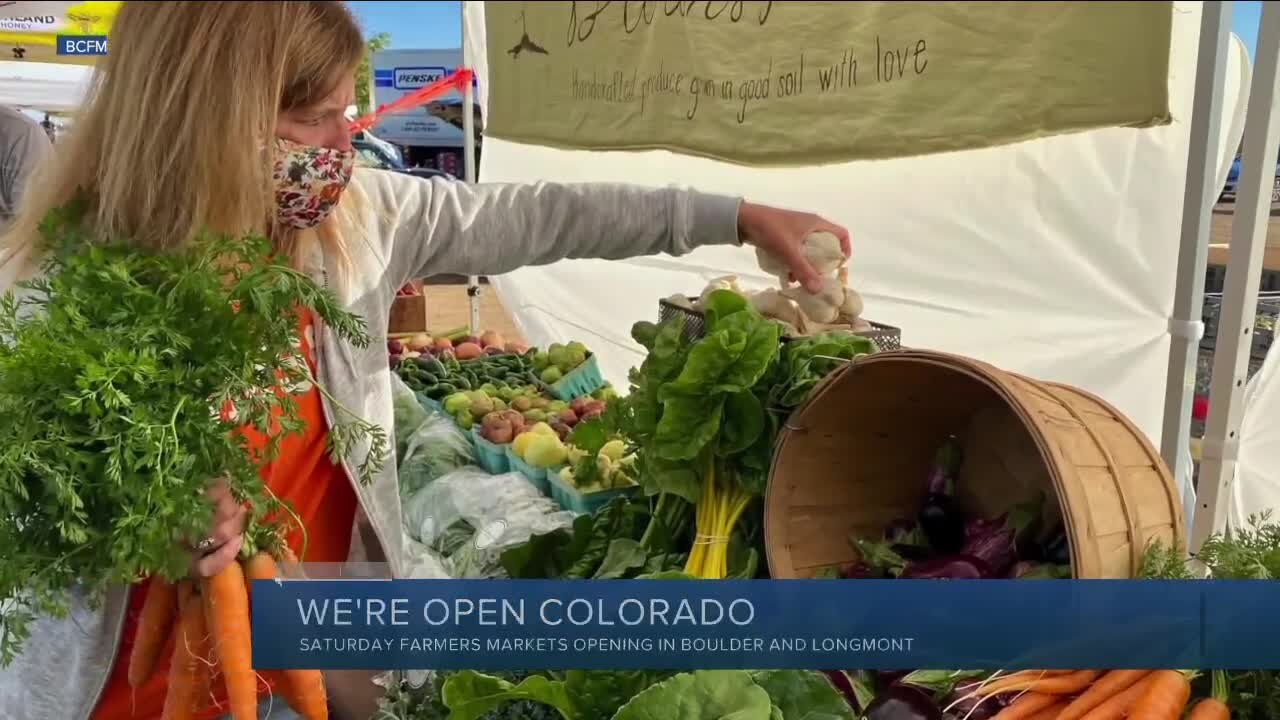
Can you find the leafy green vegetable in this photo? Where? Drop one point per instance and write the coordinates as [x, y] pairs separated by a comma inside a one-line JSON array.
[[701, 695], [123, 376], [696, 412], [623, 556], [805, 362], [599, 693], [606, 545], [469, 695], [802, 695]]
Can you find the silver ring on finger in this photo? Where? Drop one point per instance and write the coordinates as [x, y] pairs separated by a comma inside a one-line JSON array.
[[206, 545]]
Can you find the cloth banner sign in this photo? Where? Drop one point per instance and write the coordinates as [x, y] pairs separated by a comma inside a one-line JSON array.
[[810, 83]]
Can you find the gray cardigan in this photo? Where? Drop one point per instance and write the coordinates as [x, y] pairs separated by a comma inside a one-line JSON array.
[[413, 228]]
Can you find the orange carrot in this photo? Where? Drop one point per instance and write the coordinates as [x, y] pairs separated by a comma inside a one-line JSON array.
[[1165, 699], [1215, 707], [1117, 706], [306, 695], [1057, 685], [227, 604], [259, 567], [187, 669], [1053, 712], [154, 622], [185, 589], [1210, 709], [1026, 706], [1113, 683]]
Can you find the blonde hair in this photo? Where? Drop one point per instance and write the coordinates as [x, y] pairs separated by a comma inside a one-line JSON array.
[[176, 136]]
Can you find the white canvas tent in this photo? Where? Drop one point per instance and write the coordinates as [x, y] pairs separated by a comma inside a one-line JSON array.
[[1057, 258], [44, 86]]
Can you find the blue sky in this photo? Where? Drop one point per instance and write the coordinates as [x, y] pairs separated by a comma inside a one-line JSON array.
[[438, 23], [1244, 22], [413, 25]]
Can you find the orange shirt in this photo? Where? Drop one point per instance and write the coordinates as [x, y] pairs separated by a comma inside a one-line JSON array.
[[323, 498]]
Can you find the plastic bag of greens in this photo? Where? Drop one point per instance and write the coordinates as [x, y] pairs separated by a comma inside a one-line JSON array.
[[469, 517], [422, 563], [409, 414], [436, 448]]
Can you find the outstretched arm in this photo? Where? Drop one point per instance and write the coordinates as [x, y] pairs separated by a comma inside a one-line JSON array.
[[438, 226]]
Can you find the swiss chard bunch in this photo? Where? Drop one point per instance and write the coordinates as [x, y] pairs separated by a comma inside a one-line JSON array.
[[125, 379], [699, 415]]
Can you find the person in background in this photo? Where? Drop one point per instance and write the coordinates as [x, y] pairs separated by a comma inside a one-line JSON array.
[[23, 146], [276, 159], [49, 128]]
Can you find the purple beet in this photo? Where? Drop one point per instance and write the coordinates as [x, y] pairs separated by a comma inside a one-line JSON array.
[[901, 702], [951, 567]]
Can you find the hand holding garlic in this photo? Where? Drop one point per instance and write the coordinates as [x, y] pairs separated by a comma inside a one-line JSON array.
[[834, 302]]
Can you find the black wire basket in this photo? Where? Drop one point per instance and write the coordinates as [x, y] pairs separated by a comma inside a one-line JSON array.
[[886, 337]]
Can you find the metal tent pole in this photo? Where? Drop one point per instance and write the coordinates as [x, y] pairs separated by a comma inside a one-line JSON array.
[[469, 163], [1240, 293], [1185, 326]]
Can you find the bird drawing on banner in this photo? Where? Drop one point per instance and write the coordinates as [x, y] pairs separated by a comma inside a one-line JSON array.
[[525, 42]]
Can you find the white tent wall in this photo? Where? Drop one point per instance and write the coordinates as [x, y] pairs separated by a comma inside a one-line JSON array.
[[44, 86], [1257, 482], [1054, 258]]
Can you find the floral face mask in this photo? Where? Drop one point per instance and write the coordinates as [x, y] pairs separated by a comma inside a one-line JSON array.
[[309, 181]]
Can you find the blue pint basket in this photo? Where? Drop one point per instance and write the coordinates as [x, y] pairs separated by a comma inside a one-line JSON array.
[[429, 404], [536, 476], [570, 498], [580, 382], [490, 456]]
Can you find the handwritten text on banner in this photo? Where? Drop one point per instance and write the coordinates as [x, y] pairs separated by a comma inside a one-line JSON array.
[[808, 83]]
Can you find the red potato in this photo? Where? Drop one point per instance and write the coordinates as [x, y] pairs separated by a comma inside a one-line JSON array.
[[579, 405], [517, 348], [490, 338], [569, 417], [444, 343], [468, 351]]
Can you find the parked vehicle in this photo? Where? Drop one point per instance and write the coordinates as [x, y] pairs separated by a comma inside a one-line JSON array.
[[370, 154], [1233, 178]]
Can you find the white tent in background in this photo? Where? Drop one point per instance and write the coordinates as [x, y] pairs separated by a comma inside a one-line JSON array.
[[44, 86], [1052, 257], [1056, 258]]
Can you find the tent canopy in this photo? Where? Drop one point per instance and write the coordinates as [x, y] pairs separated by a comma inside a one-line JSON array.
[[44, 86]]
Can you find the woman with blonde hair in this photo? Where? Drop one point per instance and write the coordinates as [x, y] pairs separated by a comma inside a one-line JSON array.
[[229, 116]]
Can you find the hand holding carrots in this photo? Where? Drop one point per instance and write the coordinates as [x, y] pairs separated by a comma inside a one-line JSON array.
[[211, 555], [210, 620]]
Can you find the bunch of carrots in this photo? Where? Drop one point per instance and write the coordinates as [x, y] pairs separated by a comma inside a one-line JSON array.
[[1103, 695], [209, 620]]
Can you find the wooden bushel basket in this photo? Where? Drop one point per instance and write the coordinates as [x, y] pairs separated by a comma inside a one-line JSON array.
[[856, 457]]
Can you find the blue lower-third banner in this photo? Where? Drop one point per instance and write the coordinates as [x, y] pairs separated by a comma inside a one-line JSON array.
[[760, 624]]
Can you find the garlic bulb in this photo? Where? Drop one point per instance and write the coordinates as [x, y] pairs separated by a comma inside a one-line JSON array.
[[851, 308], [773, 266], [822, 250], [860, 325], [681, 301], [772, 304], [822, 307], [728, 282]]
